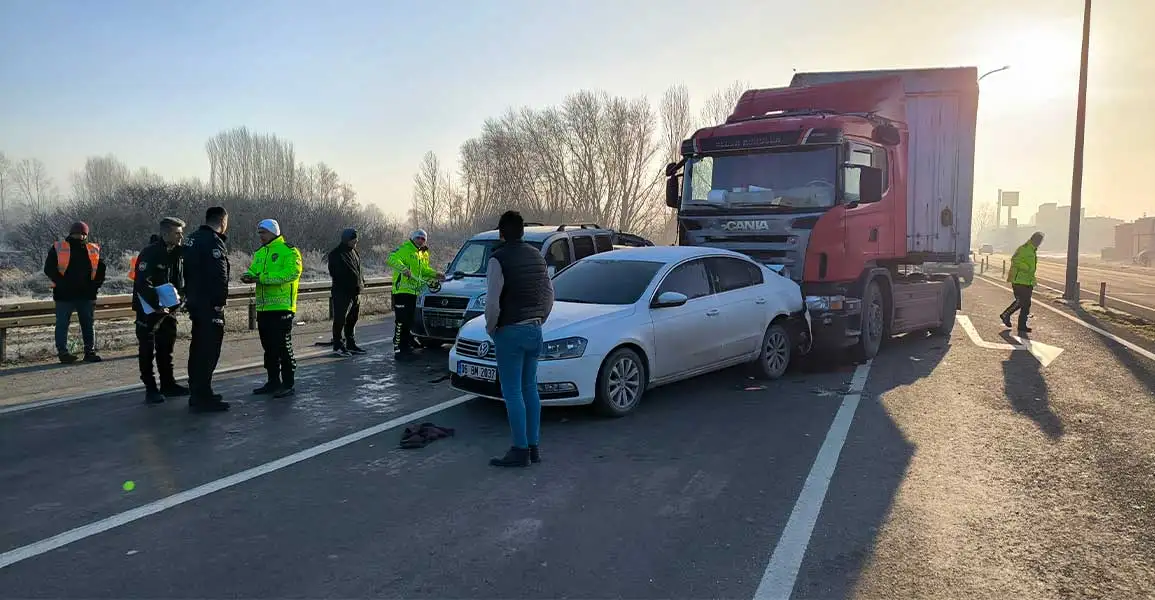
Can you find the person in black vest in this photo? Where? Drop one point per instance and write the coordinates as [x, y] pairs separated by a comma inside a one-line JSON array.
[[348, 283], [520, 298], [206, 272], [158, 264]]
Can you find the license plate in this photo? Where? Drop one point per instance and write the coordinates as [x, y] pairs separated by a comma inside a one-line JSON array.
[[473, 371], [444, 323]]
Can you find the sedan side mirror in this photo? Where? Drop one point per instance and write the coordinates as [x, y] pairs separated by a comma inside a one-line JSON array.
[[670, 300]]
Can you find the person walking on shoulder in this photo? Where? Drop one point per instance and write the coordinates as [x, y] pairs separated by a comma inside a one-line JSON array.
[[411, 271], [348, 283], [521, 296], [158, 264], [1022, 279], [76, 271], [276, 271]]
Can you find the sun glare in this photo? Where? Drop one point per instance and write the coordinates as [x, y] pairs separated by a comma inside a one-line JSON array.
[[1043, 60]]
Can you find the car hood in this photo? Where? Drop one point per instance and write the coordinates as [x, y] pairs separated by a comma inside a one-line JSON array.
[[469, 286], [567, 318]]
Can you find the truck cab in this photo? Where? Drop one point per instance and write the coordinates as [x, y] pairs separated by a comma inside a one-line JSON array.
[[841, 181], [461, 297]]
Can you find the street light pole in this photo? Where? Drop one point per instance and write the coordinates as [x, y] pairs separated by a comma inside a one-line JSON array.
[[1071, 293]]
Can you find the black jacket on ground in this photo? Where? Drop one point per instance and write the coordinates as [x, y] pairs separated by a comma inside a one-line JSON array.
[[206, 269], [156, 265], [345, 269], [77, 282]]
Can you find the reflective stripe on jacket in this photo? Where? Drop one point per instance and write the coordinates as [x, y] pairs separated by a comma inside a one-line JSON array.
[[1023, 265], [408, 256], [277, 267], [64, 254]]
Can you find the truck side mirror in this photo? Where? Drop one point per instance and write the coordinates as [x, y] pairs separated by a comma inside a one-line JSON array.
[[869, 184], [673, 192]]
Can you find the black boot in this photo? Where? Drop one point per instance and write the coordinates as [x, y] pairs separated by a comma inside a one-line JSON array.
[[271, 387], [153, 396], [534, 454], [285, 391], [1006, 320], [354, 348], [173, 389], [207, 405], [516, 457]]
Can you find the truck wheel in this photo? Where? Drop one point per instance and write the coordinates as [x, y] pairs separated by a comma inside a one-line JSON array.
[[949, 309], [777, 350], [621, 383], [873, 326]]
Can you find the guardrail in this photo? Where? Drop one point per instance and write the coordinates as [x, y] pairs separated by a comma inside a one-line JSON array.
[[1104, 299], [43, 312]]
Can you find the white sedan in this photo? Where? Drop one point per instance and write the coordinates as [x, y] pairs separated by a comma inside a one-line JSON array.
[[629, 320]]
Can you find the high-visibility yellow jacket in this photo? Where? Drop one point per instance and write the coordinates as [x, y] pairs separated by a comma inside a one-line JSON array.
[[277, 267], [409, 256], [1023, 265]]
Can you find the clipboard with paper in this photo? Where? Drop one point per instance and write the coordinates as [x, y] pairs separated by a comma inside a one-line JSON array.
[[167, 297]]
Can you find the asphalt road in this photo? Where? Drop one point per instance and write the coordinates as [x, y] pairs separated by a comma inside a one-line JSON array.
[[958, 471]]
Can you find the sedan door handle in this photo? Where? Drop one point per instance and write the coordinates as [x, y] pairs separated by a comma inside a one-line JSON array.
[[760, 301], [713, 312]]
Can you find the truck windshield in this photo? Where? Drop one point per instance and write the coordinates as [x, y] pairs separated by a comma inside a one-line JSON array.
[[796, 178], [472, 259]]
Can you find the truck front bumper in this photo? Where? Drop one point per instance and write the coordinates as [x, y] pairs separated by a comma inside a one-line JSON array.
[[835, 321]]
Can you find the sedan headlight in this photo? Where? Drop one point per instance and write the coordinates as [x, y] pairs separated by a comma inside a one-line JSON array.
[[479, 302], [572, 347]]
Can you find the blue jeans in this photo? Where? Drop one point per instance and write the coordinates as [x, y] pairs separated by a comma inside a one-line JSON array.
[[85, 311], [517, 348]]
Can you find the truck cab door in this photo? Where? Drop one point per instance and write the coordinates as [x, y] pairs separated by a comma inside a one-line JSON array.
[[863, 225]]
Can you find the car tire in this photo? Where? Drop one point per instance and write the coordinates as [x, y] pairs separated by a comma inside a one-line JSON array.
[[621, 383], [777, 352], [949, 310], [873, 327]]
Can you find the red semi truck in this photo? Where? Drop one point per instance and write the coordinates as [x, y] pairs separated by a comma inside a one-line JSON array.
[[850, 183]]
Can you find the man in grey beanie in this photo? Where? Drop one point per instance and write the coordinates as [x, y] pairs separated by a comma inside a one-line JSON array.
[[348, 283]]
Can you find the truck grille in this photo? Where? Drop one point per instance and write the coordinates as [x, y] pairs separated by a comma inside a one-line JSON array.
[[469, 348], [448, 302]]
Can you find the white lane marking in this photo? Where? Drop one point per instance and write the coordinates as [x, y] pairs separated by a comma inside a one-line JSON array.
[[1095, 294], [973, 334], [1107, 334], [74, 535], [140, 386], [1045, 353], [782, 571]]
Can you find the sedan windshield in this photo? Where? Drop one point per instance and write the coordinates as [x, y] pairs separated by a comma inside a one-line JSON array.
[[473, 258], [592, 281], [798, 178]]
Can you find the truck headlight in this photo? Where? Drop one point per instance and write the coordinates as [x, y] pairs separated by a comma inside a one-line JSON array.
[[571, 347], [479, 302]]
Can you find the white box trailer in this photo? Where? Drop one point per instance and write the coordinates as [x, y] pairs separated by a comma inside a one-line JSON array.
[[941, 114]]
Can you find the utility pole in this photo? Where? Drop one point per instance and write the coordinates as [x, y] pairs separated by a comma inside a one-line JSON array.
[[1071, 294]]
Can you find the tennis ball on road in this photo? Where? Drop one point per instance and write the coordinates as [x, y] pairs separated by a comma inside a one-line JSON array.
[[129, 486]]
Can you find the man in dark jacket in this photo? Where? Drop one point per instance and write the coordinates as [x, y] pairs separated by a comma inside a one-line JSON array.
[[206, 273], [158, 264], [520, 298], [348, 283], [77, 270]]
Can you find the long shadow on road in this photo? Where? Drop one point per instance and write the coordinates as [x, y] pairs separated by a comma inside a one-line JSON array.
[[870, 471], [1027, 391]]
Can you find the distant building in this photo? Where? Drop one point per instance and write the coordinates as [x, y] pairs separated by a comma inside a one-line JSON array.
[[1131, 239]]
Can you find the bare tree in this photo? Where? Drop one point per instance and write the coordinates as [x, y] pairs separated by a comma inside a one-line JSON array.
[[984, 218], [241, 162], [721, 103], [431, 192], [5, 185], [34, 185], [677, 124]]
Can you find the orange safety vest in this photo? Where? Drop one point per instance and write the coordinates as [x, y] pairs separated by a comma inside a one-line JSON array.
[[132, 268], [64, 254]]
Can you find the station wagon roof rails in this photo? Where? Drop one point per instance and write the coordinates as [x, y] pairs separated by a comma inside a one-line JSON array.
[[579, 226]]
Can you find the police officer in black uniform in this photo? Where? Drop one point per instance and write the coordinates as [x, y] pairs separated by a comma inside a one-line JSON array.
[[206, 271], [158, 264]]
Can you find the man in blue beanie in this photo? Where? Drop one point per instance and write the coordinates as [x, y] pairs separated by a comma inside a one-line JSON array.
[[348, 283]]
